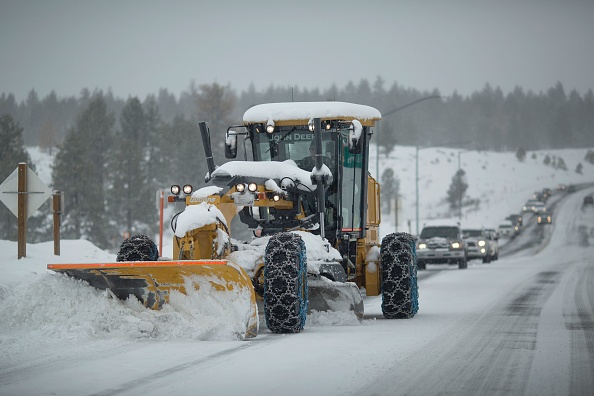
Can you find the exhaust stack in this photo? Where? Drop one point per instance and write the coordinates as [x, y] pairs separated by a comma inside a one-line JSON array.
[[205, 133]]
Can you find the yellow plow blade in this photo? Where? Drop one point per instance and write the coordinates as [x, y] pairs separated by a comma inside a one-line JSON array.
[[153, 281]]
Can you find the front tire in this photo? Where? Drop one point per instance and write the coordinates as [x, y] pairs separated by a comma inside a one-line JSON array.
[[463, 263], [400, 293], [285, 283]]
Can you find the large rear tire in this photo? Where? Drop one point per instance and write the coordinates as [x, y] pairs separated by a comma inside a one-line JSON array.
[[285, 283], [400, 293], [138, 248]]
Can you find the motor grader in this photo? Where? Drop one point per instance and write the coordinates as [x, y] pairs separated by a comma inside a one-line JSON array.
[[316, 228]]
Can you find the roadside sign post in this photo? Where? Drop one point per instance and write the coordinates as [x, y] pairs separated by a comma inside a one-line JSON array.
[[23, 192], [57, 208], [22, 210]]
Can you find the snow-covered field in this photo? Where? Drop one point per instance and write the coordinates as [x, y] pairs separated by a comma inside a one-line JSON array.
[[498, 180], [49, 318]]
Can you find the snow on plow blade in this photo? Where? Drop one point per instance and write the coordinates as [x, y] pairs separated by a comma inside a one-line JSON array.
[[153, 281], [327, 295]]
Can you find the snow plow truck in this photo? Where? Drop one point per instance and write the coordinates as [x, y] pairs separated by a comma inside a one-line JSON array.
[[304, 191]]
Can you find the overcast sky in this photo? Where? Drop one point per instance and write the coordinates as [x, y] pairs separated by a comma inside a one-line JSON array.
[[135, 47]]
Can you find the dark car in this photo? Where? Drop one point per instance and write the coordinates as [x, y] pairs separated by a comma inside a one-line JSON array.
[[589, 200], [516, 219], [544, 218]]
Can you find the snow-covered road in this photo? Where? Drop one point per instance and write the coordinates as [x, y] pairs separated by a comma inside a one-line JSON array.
[[521, 325]]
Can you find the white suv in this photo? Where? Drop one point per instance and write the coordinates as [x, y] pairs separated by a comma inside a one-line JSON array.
[[441, 243], [479, 243]]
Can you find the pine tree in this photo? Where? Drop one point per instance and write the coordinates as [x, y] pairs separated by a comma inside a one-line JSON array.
[[589, 157], [390, 189], [215, 104], [579, 168], [561, 164], [521, 154], [547, 160], [457, 190], [79, 172], [131, 196], [12, 152], [387, 137]]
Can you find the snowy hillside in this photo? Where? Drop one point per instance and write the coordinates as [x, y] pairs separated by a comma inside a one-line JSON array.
[[498, 180]]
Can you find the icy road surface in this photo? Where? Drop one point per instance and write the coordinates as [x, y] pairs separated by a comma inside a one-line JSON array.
[[520, 325]]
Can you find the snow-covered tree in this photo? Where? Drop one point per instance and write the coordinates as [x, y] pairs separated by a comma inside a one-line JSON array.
[[457, 190], [390, 188], [131, 188], [521, 154], [12, 151], [79, 171]]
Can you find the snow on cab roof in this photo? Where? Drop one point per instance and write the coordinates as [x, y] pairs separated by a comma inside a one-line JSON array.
[[290, 113]]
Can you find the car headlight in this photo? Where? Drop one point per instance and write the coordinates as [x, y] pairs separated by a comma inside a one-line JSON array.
[[481, 243], [422, 246], [188, 189], [252, 187], [456, 245], [175, 189]]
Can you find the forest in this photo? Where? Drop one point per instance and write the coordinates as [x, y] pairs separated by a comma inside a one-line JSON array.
[[110, 153]]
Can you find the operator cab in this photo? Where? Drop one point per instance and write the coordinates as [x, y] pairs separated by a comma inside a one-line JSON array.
[[278, 135]]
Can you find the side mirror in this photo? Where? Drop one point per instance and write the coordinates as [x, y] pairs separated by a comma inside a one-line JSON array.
[[355, 137], [231, 144]]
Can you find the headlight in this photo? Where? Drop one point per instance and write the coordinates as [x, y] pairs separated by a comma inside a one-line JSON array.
[[252, 187], [188, 189], [422, 246], [270, 126], [481, 243], [240, 187], [456, 245], [175, 189], [276, 197]]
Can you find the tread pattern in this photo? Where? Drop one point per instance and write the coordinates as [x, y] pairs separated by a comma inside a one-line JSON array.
[[400, 293], [285, 283], [138, 248]]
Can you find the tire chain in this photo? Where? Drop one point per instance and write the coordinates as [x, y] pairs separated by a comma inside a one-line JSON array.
[[138, 248], [400, 293], [285, 283]]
